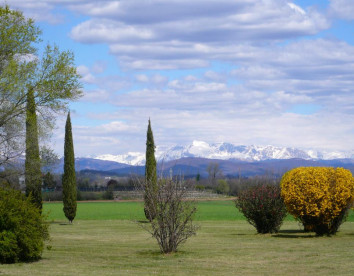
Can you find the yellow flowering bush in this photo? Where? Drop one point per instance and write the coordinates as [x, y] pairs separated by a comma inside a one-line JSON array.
[[319, 197]]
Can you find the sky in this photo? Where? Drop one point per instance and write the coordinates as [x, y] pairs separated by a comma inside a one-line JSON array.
[[247, 72]]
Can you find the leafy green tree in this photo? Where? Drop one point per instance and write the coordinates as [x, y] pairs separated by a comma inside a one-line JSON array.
[[32, 90], [17, 34], [49, 159], [51, 78], [150, 174], [17, 38], [69, 177], [49, 181], [33, 175], [223, 187]]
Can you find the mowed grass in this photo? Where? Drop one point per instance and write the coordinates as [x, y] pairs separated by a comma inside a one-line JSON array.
[[105, 240]]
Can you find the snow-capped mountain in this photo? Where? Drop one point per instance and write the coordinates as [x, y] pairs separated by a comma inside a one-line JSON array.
[[226, 151], [131, 158]]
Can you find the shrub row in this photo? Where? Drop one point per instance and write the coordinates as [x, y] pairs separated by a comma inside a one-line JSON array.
[[319, 197]]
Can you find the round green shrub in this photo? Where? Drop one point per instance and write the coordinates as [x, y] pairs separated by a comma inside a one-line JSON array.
[[23, 229], [263, 207], [223, 187], [9, 250]]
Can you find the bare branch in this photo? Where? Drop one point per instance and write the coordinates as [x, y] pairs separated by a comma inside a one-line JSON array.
[[172, 223]]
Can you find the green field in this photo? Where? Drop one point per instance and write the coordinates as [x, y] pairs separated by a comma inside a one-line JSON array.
[[222, 210], [207, 210], [105, 240]]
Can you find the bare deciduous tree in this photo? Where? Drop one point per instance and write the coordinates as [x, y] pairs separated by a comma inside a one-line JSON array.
[[173, 221], [214, 173]]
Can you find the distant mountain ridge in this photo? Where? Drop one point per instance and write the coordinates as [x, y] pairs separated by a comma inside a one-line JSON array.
[[226, 151], [191, 166], [234, 160], [82, 163]]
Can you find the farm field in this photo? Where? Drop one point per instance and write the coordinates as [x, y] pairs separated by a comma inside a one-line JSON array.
[[105, 240], [223, 210], [132, 210]]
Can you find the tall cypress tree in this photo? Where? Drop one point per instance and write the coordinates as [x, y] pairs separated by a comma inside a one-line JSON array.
[[150, 168], [33, 175], [150, 175], [69, 177]]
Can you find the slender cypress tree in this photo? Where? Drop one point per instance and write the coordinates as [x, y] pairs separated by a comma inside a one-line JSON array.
[[33, 175], [150, 168], [69, 177], [150, 175]]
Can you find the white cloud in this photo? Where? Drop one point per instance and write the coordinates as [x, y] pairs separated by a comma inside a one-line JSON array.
[[155, 79], [254, 110], [106, 84], [113, 137], [215, 76], [267, 61], [99, 67], [318, 131], [142, 78], [190, 78], [153, 64], [342, 9], [83, 70], [38, 10], [314, 67], [158, 79], [186, 34], [96, 95], [297, 8], [108, 31], [85, 74]]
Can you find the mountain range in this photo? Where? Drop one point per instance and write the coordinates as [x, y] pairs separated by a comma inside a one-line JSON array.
[[227, 151], [191, 166], [233, 160]]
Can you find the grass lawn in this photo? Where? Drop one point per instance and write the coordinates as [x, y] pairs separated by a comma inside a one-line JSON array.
[[104, 240]]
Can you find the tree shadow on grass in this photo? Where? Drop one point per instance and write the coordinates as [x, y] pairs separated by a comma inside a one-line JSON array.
[[59, 222], [142, 221], [292, 231], [62, 223], [293, 234], [156, 254]]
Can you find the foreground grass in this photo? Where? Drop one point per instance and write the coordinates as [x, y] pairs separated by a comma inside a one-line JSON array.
[[104, 240], [121, 247]]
